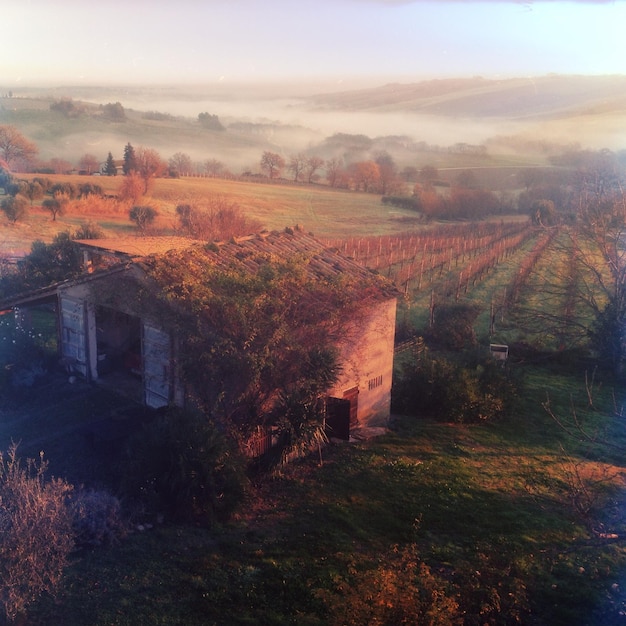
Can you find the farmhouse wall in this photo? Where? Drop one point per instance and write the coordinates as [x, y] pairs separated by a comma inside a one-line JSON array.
[[367, 363]]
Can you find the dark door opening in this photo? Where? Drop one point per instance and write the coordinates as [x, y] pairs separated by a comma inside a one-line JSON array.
[[338, 418], [118, 337], [342, 414]]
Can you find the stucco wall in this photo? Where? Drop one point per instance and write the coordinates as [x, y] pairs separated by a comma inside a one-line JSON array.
[[367, 360]]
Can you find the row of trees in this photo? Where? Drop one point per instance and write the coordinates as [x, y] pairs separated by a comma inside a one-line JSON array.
[[376, 176], [463, 199]]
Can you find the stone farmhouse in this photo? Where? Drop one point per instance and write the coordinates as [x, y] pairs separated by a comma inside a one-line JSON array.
[[108, 337]]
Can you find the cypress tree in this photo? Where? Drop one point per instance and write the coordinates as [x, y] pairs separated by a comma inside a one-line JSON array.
[[109, 166], [130, 162]]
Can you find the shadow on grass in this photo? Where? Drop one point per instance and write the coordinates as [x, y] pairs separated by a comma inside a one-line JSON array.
[[79, 427]]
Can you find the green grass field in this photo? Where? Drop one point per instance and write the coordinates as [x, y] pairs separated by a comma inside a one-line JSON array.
[[493, 511]]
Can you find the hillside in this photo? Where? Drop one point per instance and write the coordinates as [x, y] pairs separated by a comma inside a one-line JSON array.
[[414, 122], [59, 136], [587, 111], [529, 97]]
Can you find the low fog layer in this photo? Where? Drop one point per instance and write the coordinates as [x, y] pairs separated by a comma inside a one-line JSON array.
[[589, 110], [584, 111]]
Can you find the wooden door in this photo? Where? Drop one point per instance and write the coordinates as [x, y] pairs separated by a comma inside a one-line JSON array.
[[156, 348], [352, 396], [74, 334]]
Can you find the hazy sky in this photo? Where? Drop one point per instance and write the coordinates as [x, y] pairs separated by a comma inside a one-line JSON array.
[[204, 41]]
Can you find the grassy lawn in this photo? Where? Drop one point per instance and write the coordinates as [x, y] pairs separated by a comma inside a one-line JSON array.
[[493, 511]]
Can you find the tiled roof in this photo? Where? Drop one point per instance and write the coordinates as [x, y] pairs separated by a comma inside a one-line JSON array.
[[135, 247], [244, 252], [253, 251]]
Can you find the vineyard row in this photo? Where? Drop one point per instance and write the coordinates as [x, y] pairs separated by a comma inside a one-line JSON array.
[[447, 259]]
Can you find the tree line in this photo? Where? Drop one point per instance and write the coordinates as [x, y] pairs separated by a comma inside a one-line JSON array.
[[549, 196]]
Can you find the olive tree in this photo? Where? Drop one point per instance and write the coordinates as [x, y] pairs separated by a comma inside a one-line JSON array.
[[149, 165], [143, 216], [55, 205], [14, 207]]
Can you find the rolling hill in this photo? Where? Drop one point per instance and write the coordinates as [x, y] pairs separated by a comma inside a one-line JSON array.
[[415, 122], [514, 98]]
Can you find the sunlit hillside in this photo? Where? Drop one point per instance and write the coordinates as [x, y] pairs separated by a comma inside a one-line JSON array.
[[317, 208]]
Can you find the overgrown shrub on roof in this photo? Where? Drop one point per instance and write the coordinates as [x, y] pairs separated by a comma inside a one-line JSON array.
[[261, 332]]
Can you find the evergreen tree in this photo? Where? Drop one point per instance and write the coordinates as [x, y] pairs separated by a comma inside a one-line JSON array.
[[109, 167], [5, 178], [130, 161]]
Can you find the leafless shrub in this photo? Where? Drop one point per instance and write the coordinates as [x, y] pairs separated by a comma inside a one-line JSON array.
[[400, 590], [218, 220], [96, 517], [35, 532], [587, 487], [88, 230], [98, 205], [132, 188]]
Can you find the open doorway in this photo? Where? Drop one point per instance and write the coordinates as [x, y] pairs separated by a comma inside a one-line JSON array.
[[118, 337]]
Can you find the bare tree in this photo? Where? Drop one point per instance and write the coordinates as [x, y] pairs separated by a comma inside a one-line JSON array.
[[149, 165], [89, 163], [387, 171], [213, 167], [272, 163], [181, 163], [602, 229], [296, 165], [60, 166], [312, 165], [334, 167], [592, 284]]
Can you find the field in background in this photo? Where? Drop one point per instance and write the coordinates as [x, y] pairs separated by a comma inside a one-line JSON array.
[[319, 209]]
